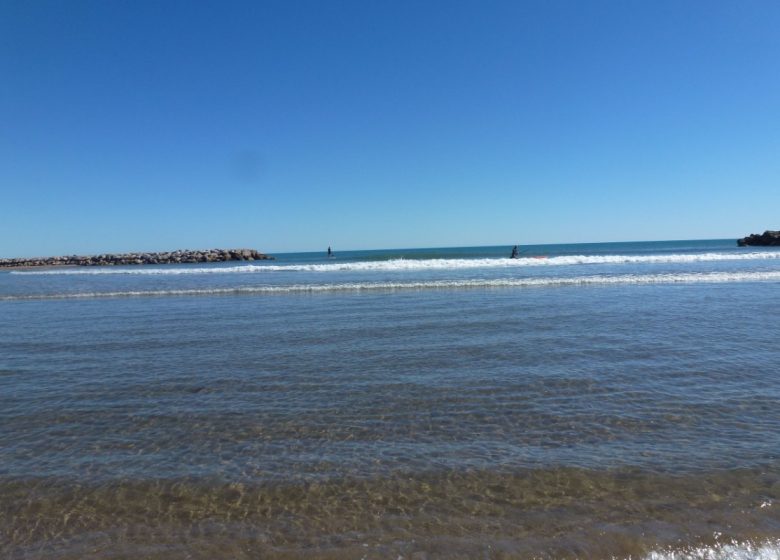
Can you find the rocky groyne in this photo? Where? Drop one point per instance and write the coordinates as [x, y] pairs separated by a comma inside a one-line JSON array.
[[170, 257], [766, 239]]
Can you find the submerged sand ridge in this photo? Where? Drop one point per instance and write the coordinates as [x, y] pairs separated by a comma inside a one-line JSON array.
[[118, 259], [554, 513]]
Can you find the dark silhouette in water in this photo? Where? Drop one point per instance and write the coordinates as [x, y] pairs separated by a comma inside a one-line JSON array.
[[768, 239], [330, 253], [515, 253]]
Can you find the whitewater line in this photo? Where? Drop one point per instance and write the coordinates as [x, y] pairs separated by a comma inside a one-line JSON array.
[[415, 264], [627, 279]]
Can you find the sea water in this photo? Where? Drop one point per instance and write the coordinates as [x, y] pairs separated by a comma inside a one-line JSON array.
[[617, 400]]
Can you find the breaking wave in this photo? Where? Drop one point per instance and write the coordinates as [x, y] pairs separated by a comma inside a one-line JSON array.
[[625, 279], [419, 264]]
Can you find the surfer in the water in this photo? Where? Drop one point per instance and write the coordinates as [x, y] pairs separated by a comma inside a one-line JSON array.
[[330, 253], [515, 253]]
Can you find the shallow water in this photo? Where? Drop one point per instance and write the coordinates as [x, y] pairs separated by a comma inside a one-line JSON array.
[[612, 402]]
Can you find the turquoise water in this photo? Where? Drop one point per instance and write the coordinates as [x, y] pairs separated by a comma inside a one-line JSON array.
[[588, 401]]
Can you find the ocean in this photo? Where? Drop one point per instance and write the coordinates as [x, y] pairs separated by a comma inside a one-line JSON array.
[[599, 401]]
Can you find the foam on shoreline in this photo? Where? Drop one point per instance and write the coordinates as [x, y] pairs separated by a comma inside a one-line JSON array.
[[727, 551]]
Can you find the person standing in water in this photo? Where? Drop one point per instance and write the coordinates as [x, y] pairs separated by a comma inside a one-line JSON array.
[[515, 253], [330, 253]]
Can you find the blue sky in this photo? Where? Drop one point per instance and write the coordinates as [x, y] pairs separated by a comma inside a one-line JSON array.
[[291, 125]]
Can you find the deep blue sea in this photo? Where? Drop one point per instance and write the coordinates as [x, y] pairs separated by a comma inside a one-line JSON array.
[[613, 400]]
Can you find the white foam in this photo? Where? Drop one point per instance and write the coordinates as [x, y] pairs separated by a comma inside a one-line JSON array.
[[418, 264], [728, 551], [623, 279]]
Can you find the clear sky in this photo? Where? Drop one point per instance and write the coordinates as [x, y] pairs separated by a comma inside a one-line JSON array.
[[292, 125]]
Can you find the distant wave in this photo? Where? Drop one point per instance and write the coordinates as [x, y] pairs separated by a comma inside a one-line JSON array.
[[727, 551], [418, 264], [711, 277]]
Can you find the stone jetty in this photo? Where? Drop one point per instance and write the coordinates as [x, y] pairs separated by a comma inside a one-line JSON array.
[[766, 239], [170, 257]]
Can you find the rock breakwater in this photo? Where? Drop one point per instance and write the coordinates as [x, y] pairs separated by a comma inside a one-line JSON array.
[[766, 239], [121, 259]]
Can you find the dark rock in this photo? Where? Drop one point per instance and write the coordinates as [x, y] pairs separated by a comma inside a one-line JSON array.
[[766, 239], [168, 257]]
